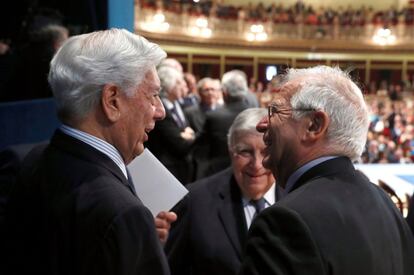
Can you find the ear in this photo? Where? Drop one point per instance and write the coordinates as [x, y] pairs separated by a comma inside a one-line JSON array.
[[317, 126], [111, 102]]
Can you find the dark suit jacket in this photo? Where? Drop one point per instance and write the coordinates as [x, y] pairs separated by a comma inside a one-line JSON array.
[[212, 142], [334, 222], [166, 143], [211, 228], [76, 214]]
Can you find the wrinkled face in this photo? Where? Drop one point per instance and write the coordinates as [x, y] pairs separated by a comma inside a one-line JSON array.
[[141, 112], [246, 157], [281, 135], [209, 93]]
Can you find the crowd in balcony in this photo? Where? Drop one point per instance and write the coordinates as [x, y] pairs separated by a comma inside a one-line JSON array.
[[295, 14]]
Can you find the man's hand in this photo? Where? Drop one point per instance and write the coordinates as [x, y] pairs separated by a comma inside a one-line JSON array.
[[188, 134], [163, 223]]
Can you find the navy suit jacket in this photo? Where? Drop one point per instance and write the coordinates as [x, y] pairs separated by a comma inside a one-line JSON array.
[[73, 212], [211, 228], [334, 221]]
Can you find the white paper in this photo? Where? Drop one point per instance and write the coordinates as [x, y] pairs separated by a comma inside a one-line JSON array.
[[156, 187]]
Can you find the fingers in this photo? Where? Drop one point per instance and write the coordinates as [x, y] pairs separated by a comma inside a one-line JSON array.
[[163, 224]]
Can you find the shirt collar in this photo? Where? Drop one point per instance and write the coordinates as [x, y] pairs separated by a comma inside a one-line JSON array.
[[299, 172], [269, 197], [97, 143]]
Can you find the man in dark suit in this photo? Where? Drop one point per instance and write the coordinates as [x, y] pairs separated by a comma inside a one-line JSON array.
[[211, 145], [331, 220], [75, 211], [209, 235], [208, 88], [172, 138]]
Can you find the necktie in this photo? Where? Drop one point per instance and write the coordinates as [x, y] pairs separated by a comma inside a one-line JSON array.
[[177, 117], [259, 205]]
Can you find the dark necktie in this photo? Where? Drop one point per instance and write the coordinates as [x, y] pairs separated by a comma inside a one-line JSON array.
[[177, 117], [259, 205]]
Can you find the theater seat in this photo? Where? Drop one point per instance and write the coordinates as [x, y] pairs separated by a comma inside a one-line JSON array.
[[28, 121]]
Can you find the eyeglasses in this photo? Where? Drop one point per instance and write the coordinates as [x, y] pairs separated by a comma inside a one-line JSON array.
[[273, 109]]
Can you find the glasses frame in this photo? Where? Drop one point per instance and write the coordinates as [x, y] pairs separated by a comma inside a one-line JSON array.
[[273, 109]]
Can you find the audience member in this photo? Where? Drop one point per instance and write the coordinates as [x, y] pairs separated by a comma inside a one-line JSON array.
[[192, 97], [172, 139], [214, 217], [29, 78], [330, 219], [207, 89], [77, 212], [212, 138]]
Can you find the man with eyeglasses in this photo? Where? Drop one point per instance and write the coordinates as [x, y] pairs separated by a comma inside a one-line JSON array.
[[329, 219], [209, 235]]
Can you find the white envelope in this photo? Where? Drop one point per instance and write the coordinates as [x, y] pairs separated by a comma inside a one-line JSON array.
[[156, 187]]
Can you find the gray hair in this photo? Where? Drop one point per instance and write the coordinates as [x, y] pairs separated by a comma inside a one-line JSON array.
[[245, 123], [168, 78], [204, 80], [235, 84], [334, 92], [85, 63], [172, 63]]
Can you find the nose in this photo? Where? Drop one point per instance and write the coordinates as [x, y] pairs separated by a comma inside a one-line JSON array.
[[263, 125], [256, 161], [159, 112]]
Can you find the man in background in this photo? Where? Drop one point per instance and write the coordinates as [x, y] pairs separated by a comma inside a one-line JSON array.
[[213, 138], [329, 219], [75, 211], [209, 236]]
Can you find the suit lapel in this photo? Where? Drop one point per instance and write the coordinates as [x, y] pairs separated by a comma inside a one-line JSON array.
[[231, 215], [84, 151]]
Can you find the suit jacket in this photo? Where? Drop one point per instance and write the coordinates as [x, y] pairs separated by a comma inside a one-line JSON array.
[[196, 116], [166, 143], [334, 221], [76, 214], [212, 142], [211, 228]]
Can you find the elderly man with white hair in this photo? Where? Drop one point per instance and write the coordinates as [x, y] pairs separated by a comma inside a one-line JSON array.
[[173, 137], [328, 219], [77, 212]]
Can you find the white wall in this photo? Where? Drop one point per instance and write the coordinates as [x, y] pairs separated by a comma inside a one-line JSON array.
[[376, 4]]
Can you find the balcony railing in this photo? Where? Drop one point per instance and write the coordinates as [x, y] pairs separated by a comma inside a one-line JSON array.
[[177, 26]]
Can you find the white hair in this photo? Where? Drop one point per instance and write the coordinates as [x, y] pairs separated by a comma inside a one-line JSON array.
[[168, 78], [172, 63], [245, 123], [332, 91], [85, 63], [235, 84], [201, 82]]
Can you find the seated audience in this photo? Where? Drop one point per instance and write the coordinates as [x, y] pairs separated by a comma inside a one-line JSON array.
[[211, 230]]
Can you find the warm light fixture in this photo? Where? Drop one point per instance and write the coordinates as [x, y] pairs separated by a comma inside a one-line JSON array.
[[201, 28], [256, 33], [157, 23], [384, 37]]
